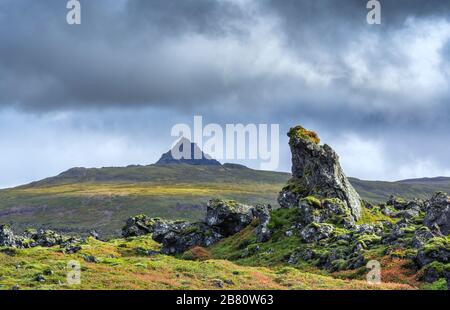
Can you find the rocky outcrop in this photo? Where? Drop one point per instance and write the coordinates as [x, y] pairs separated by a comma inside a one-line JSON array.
[[223, 218], [400, 208], [139, 225], [438, 213], [7, 237], [228, 217], [316, 171], [262, 213], [33, 238], [177, 237], [331, 211]]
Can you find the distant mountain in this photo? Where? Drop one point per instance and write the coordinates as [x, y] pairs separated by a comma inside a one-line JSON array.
[[194, 156], [427, 181], [379, 191]]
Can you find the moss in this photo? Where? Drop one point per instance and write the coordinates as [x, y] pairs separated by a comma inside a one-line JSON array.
[[368, 240], [436, 244], [314, 201], [438, 267], [232, 204], [294, 186], [439, 285], [371, 216], [339, 265], [283, 218], [299, 132]]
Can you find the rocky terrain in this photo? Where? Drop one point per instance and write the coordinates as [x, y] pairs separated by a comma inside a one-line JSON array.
[[322, 228]]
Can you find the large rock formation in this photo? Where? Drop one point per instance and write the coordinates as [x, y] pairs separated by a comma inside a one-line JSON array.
[[438, 213], [223, 218], [316, 171], [33, 238], [138, 225], [177, 237], [227, 216], [7, 237]]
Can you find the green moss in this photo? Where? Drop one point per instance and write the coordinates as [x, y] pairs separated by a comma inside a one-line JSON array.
[[294, 186], [436, 244], [371, 216], [368, 240], [314, 201], [339, 265], [299, 132], [439, 285], [283, 218]]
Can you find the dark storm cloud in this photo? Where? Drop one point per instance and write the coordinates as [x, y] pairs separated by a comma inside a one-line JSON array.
[[190, 53], [385, 88], [131, 53]]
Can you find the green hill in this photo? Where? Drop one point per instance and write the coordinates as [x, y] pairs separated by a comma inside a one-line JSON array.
[[81, 199]]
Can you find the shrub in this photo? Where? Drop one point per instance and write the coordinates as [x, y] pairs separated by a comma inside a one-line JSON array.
[[197, 253]]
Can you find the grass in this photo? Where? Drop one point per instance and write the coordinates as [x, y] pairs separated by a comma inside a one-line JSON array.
[[121, 266], [76, 208]]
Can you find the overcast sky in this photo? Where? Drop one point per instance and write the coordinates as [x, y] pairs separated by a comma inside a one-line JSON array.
[[108, 91]]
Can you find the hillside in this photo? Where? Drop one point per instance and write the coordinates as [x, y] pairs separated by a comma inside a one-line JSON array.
[[81, 199], [321, 236], [379, 191], [123, 264]]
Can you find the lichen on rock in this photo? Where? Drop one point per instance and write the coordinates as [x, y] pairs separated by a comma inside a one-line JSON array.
[[316, 171]]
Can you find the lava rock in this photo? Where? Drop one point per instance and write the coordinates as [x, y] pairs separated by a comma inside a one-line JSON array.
[[438, 212], [435, 250], [139, 225], [262, 213], [316, 231], [7, 238], [177, 237], [316, 171], [228, 216]]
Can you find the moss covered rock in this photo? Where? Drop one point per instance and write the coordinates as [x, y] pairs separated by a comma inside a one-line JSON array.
[[316, 172]]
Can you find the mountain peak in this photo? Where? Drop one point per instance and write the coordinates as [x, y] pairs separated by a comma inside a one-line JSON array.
[[193, 157]]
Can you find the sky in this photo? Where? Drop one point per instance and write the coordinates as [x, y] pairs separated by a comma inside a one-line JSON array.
[[108, 91]]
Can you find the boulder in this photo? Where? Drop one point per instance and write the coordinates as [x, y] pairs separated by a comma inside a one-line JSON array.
[[228, 216], [33, 238], [47, 238], [421, 237], [435, 250], [438, 213], [177, 237], [332, 211], [316, 171], [223, 218], [7, 238], [316, 231], [262, 213], [138, 225]]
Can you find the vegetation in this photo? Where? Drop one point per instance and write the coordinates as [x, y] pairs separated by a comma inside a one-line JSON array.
[[120, 264], [80, 200], [301, 133]]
